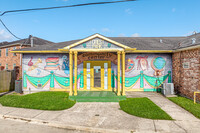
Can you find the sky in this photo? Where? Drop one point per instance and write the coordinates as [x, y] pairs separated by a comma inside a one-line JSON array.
[[142, 18]]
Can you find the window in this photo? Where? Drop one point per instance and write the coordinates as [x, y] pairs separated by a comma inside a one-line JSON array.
[[14, 65], [6, 66], [6, 51], [14, 54], [0, 52], [186, 65]]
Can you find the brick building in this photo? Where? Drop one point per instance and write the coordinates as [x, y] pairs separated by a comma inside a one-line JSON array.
[[121, 64], [186, 66], [8, 61]]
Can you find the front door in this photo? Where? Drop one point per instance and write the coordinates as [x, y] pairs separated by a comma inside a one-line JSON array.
[[97, 75]]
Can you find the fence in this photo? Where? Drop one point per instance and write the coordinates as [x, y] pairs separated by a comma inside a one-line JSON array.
[[7, 80]]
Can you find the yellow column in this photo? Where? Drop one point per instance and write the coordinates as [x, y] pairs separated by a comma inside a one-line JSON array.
[[123, 73], [118, 72], [71, 72], [75, 73]]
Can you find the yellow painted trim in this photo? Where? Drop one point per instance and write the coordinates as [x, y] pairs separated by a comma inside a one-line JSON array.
[[123, 73], [135, 90], [71, 72], [63, 50], [95, 90], [92, 37], [150, 51], [196, 92], [118, 72], [92, 64], [75, 71], [96, 50], [54, 51], [53, 89]]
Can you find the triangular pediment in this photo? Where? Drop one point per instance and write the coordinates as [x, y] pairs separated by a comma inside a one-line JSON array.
[[96, 41]]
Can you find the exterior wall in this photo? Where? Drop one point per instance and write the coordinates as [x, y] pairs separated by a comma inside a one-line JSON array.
[[44, 72], [186, 80], [10, 59], [140, 71]]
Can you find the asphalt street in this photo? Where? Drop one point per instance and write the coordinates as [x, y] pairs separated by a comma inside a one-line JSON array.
[[10, 126]]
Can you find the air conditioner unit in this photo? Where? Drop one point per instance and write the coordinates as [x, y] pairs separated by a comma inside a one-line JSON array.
[[168, 89]]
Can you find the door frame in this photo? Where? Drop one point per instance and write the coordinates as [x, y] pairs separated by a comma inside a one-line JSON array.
[[92, 64]]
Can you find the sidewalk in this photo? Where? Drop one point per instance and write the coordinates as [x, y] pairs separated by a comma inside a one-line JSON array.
[[107, 117]]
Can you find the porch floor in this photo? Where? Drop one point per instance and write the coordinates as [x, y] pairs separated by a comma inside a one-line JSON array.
[[97, 96]]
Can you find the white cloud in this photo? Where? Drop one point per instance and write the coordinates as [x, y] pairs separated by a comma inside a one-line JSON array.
[[105, 30], [4, 36], [121, 35], [173, 9], [128, 11], [135, 35]]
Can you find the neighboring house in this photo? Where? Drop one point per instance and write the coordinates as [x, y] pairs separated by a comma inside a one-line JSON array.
[[8, 61], [120, 64]]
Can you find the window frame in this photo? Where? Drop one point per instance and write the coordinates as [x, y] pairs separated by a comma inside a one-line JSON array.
[[14, 54], [6, 52]]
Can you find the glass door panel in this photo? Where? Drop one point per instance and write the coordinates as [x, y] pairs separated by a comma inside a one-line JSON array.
[[97, 76]]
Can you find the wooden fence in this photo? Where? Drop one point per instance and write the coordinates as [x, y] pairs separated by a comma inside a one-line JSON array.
[[7, 80]]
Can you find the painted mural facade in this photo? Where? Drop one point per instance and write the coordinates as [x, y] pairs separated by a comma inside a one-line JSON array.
[[143, 72], [42, 72]]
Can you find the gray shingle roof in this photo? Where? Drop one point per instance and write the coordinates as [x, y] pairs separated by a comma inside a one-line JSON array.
[[36, 41], [141, 43]]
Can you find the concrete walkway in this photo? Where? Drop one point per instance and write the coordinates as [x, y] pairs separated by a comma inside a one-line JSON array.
[[107, 117]]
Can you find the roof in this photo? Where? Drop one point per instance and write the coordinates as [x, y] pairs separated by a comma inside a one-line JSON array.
[[141, 43], [27, 41]]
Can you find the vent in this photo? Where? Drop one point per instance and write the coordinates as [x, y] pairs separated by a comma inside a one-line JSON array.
[[39, 86], [186, 65], [193, 40]]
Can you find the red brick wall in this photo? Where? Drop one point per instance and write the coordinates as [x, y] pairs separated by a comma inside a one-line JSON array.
[[10, 59], [186, 80]]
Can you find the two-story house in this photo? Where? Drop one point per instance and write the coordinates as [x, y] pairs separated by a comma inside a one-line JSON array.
[[9, 61]]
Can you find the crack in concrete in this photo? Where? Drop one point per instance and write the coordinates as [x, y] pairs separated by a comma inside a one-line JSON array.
[[179, 126], [154, 126], [37, 114]]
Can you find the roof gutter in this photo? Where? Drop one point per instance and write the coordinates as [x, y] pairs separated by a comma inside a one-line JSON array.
[[188, 48], [52, 51], [15, 44]]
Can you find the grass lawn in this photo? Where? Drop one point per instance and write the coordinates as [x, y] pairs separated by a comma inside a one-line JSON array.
[[40, 100], [143, 107], [187, 104]]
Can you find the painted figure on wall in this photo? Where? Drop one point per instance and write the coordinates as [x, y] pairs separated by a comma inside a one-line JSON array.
[[142, 63], [34, 66], [30, 63], [129, 65], [158, 64], [52, 63], [65, 65]]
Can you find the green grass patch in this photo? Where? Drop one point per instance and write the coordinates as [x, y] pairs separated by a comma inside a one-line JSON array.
[[143, 107], [40, 100], [187, 104]]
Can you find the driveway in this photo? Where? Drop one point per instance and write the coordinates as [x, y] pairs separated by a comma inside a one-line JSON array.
[[107, 117]]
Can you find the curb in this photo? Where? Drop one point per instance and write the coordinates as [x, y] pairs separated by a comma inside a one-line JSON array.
[[62, 125]]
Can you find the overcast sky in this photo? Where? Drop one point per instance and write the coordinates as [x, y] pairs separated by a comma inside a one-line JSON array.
[[144, 18]]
